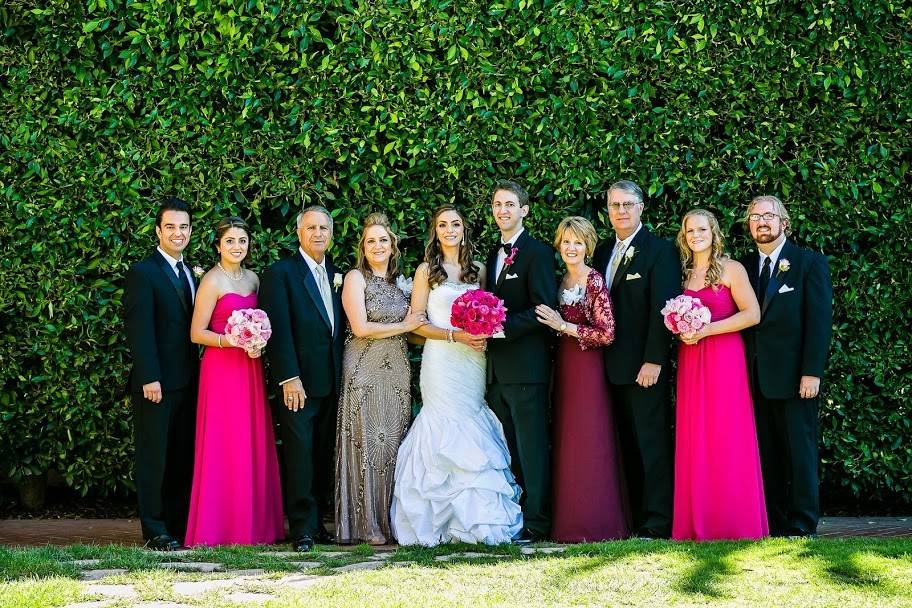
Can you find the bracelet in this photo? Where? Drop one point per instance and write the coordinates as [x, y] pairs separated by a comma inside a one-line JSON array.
[[220, 340], [450, 335]]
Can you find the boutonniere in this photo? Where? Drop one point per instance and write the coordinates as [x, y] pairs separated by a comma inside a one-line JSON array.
[[508, 261], [198, 271], [404, 284], [572, 296], [629, 254], [783, 266], [337, 281]]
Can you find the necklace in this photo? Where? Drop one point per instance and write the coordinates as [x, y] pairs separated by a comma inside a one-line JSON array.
[[239, 276]]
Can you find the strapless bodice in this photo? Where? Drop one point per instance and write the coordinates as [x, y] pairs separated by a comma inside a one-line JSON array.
[[440, 302], [719, 301], [226, 305]]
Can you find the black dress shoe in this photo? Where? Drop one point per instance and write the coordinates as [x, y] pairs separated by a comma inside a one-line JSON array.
[[526, 537], [649, 534], [163, 543], [303, 544], [323, 537]]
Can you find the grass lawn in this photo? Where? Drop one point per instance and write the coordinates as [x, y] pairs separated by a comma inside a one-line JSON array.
[[843, 573]]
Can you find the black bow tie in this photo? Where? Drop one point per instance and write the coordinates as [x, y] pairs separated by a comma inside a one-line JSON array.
[[507, 248]]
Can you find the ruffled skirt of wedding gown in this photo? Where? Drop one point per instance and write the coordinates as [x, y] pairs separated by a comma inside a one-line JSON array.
[[453, 480]]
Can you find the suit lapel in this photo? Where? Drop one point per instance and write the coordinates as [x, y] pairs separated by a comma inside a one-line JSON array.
[[336, 297], [776, 278], [506, 268], [172, 278], [626, 261], [492, 266], [310, 284]]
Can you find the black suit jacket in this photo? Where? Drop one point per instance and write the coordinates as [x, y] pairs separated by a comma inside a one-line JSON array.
[[158, 326], [302, 342], [523, 356], [639, 290], [796, 321]]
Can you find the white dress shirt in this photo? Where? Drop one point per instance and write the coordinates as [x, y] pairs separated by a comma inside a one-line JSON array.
[[502, 255], [607, 270], [187, 271], [774, 257]]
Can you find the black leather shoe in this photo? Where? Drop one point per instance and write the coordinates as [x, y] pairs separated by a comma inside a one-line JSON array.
[[303, 544], [526, 537], [163, 543], [323, 537], [648, 534]]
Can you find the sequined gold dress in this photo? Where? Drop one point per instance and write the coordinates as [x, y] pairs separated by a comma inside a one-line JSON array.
[[374, 412]]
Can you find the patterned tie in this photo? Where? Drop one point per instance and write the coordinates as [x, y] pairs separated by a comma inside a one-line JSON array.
[[185, 283], [764, 281], [619, 249], [323, 284]]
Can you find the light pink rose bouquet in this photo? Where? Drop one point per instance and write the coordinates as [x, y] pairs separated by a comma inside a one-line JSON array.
[[685, 315], [248, 328]]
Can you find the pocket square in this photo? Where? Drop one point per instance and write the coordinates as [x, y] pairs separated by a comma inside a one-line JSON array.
[[511, 276], [785, 289], [631, 277]]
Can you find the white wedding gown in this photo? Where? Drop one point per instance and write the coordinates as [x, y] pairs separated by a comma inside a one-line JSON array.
[[453, 480]]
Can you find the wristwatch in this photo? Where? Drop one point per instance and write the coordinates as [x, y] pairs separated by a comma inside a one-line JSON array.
[[563, 327]]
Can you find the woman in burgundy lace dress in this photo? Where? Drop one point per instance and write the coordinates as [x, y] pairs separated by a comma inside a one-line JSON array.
[[590, 502]]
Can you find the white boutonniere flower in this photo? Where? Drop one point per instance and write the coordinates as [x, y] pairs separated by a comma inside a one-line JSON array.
[[629, 254], [404, 284], [572, 296], [337, 281], [784, 265], [198, 271]]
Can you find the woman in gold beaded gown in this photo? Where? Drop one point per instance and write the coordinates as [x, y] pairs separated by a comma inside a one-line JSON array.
[[375, 406]]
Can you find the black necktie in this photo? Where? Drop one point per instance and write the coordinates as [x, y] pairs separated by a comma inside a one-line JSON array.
[[764, 281], [507, 248], [185, 283]]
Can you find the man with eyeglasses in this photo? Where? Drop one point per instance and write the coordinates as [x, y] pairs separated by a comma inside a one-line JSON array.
[[643, 272], [787, 355]]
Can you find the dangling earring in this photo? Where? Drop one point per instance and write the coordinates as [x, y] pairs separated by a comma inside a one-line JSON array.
[[463, 238]]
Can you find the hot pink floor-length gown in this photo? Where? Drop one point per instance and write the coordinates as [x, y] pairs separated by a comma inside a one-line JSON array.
[[236, 497], [718, 487]]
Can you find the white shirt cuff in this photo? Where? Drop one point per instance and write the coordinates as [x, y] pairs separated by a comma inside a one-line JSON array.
[[499, 334], [283, 382]]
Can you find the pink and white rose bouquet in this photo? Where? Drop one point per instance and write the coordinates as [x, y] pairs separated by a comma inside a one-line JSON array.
[[685, 315], [478, 312], [248, 328]]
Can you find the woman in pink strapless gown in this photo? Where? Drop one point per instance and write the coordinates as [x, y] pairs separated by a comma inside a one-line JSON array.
[[236, 496], [718, 488]]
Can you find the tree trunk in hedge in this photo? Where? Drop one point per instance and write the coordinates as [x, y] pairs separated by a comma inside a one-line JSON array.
[[31, 491]]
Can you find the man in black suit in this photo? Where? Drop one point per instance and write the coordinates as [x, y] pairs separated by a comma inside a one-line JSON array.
[[787, 355], [158, 306], [643, 271], [301, 295], [519, 359]]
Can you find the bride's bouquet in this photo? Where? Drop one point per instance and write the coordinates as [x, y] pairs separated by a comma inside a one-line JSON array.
[[248, 328], [685, 315], [478, 312]]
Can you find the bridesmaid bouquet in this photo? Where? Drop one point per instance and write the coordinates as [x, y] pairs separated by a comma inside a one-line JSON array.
[[478, 312], [248, 328], [685, 315]]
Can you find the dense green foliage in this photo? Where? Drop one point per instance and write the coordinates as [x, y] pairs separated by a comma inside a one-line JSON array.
[[257, 107]]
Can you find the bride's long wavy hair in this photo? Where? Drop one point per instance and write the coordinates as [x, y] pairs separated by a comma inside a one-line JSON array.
[[716, 255], [433, 253]]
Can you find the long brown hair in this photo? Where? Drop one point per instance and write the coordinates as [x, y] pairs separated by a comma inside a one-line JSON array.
[[433, 254], [716, 254], [392, 269]]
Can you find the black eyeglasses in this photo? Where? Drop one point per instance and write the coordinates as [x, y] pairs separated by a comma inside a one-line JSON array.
[[769, 216]]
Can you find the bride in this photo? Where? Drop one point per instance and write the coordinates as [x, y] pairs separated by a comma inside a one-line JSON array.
[[453, 480]]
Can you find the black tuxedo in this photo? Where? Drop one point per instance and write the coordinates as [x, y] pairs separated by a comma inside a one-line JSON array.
[[304, 345], [791, 340], [519, 371], [639, 289], [157, 317]]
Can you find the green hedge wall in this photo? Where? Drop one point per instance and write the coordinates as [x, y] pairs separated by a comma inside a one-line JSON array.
[[257, 107]]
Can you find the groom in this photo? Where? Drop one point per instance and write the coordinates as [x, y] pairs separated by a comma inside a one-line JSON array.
[[786, 355], [521, 272], [643, 272], [158, 306], [301, 296]]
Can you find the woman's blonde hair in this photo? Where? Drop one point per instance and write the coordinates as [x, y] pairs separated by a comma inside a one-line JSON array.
[[392, 270], [717, 252], [582, 228]]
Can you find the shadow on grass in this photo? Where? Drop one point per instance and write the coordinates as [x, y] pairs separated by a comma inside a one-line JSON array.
[[843, 561]]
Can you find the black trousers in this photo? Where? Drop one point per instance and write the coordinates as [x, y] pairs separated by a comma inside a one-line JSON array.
[[308, 443], [644, 428], [164, 434], [787, 436], [523, 411]]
